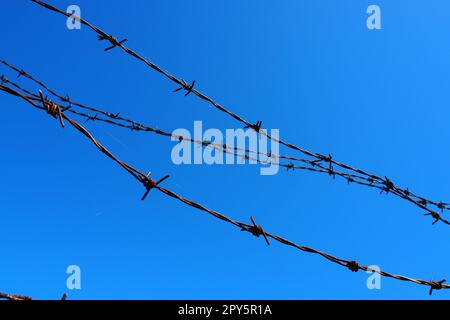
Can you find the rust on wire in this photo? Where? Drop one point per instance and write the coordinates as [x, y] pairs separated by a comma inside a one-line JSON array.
[[16, 297], [150, 184], [256, 230], [13, 297], [52, 109], [435, 286]]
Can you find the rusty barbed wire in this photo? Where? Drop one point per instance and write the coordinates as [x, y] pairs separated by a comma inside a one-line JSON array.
[[14, 297], [389, 185], [256, 230], [136, 126], [384, 185]]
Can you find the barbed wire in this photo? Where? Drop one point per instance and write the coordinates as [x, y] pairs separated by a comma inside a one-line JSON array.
[[135, 126], [13, 297], [149, 184], [116, 119], [388, 185], [16, 297]]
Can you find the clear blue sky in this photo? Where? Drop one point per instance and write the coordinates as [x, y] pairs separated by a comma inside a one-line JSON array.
[[375, 99]]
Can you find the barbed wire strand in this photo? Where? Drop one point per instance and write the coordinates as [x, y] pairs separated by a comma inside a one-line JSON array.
[[257, 230], [136, 126], [16, 297], [140, 127], [312, 165], [421, 202], [13, 297]]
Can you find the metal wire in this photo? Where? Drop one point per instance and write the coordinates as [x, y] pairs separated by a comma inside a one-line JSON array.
[[16, 297], [370, 179], [57, 111], [116, 119], [13, 297]]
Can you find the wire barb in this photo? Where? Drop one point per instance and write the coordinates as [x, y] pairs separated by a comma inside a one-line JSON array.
[[113, 40], [436, 285], [185, 86], [256, 230], [21, 73], [3, 80], [290, 166], [436, 216], [93, 118], [389, 185], [353, 266], [52, 109], [149, 184], [257, 126]]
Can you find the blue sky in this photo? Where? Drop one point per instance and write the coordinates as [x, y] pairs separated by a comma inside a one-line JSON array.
[[374, 99]]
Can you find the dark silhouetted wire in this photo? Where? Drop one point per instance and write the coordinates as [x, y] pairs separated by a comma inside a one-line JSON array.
[[386, 184], [58, 112], [307, 164]]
